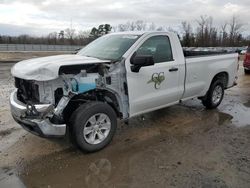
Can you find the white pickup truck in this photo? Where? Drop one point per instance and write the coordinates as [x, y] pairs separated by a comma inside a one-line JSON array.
[[119, 75]]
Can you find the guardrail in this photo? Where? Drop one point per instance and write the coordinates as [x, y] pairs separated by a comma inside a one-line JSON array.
[[37, 47]]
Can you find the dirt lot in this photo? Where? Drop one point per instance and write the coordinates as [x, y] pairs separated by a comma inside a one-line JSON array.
[[181, 146]]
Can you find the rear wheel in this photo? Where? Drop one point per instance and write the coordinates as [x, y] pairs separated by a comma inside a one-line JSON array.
[[93, 126], [214, 95]]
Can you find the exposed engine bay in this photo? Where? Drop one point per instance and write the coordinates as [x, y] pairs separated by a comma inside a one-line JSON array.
[[78, 84]]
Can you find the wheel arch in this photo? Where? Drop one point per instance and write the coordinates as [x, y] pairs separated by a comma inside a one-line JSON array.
[[105, 96], [224, 76]]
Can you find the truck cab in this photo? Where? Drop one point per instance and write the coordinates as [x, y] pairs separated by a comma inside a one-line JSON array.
[[162, 83]]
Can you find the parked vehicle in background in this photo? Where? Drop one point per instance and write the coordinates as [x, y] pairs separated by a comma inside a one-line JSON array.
[[243, 52], [119, 75], [246, 63]]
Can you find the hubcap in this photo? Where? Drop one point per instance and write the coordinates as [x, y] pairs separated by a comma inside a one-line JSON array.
[[97, 128], [217, 94]]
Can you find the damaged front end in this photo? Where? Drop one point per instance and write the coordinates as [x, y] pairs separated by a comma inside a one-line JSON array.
[[36, 118], [44, 107]]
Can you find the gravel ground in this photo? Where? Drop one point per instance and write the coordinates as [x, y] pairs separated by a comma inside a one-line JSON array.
[[181, 146]]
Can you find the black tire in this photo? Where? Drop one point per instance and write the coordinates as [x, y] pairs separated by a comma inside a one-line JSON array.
[[207, 101], [80, 117], [246, 71]]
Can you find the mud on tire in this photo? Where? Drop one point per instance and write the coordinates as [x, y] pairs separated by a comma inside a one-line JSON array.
[[214, 95]]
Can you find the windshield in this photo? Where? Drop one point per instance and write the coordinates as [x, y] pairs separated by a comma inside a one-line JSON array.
[[110, 47]]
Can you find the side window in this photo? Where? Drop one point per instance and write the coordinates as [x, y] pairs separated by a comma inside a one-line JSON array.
[[159, 47]]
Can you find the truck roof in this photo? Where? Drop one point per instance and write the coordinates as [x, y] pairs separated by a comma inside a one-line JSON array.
[[140, 32]]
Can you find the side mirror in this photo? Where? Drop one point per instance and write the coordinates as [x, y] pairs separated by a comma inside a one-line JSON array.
[[139, 61]]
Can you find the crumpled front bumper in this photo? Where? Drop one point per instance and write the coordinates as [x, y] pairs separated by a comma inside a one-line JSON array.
[[36, 125]]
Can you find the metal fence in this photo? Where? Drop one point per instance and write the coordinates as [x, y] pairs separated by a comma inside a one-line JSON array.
[[37, 47]]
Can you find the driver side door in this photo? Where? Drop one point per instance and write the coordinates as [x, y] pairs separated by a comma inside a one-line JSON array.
[[155, 86]]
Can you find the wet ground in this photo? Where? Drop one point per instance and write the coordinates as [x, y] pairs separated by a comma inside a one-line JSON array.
[[181, 146]]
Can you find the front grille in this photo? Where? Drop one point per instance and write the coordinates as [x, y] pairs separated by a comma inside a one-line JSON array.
[[27, 91]]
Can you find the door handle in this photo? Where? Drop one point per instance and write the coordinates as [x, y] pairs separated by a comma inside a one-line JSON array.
[[173, 69]]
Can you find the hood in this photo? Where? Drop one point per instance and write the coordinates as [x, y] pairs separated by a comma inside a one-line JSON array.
[[47, 68]]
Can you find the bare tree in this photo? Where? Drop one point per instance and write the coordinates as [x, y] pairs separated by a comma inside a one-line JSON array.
[[159, 28], [206, 31], [235, 27], [211, 37], [83, 34], [152, 26], [70, 34], [140, 25], [224, 34], [188, 38], [83, 37], [131, 26], [122, 27], [201, 29], [52, 38], [186, 27]]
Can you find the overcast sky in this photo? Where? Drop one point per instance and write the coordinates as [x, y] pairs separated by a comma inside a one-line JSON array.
[[39, 17]]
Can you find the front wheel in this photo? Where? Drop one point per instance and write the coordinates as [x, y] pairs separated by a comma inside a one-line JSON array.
[[93, 126], [214, 95]]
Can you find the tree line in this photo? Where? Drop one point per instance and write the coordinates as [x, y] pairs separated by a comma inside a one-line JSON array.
[[207, 35], [201, 33], [68, 36]]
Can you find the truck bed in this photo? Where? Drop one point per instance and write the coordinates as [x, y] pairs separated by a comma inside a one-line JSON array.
[[192, 54], [201, 69]]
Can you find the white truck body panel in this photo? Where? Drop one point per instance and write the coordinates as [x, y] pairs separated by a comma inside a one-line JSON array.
[[47, 68], [201, 71], [192, 81]]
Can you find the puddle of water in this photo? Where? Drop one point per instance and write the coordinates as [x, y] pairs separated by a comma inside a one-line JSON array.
[[98, 173], [9, 179], [240, 113], [247, 104], [75, 169], [224, 118]]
